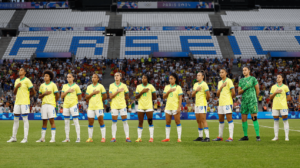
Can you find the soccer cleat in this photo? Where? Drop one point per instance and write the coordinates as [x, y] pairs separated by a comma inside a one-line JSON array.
[[258, 138], [206, 140], [286, 139], [128, 140], [138, 140], [89, 140], [40, 140], [245, 138], [166, 140], [103, 140], [218, 139], [275, 139], [229, 140], [113, 140], [78, 140], [12, 139], [24, 140], [178, 140], [52, 141], [199, 139], [66, 140], [151, 140]]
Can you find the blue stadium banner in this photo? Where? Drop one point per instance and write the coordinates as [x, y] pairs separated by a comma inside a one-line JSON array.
[[171, 54], [53, 55], [61, 28], [34, 5], [168, 28], [166, 4], [156, 116]]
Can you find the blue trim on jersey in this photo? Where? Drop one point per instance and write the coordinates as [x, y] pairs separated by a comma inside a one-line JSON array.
[[44, 128], [75, 116], [56, 92], [110, 92], [200, 129], [136, 92], [168, 125], [79, 93], [205, 127], [230, 121], [124, 119], [284, 119], [154, 92], [114, 120], [126, 92], [150, 125], [53, 129], [30, 87], [140, 127], [102, 126], [276, 119], [66, 116], [180, 94], [24, 115], [90, 126], [222, 122], [231, 88], [103, 92], [86, 93], [287, 93], [178, 125], [207, 90], [40, 92], [164, 92]]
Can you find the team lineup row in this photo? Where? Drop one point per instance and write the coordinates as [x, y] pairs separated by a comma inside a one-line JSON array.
[[145, 94]]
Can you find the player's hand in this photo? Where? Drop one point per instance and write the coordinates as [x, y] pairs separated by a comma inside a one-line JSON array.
[[19, 85], [145, 90], [278, 91], [70, 90], [172, 90], [178, 111], [224, 84], [120, 90], [96, 92], [47, 92], [198, 89]]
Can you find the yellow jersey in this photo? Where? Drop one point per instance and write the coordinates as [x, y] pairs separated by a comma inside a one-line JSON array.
[[225, 94], [118, 102], [23, 94], [145, 101], [49, 99], [71, 99], [95, 102], [201, 95], [279, 101], [173, 97]]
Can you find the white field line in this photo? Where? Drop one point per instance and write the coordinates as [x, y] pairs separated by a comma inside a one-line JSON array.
[[271, 127]]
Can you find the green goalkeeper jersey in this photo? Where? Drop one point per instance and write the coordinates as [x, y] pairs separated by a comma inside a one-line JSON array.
[[248, 85]]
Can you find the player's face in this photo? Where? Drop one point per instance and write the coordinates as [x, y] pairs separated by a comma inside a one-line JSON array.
[[47, 78], [246, 71], [144, 79], [117, 77], [279, 79], [70, 78], [199, 77], [22, 72], [172, 80], [223, 73], [95, 78]]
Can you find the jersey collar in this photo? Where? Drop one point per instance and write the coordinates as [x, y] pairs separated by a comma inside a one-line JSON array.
[[119, 84], [172, 86], [96, 85], [48, 84], [146, 85], [23, 78], [224, 80], [279, 86], [71, 85], [200, 83]]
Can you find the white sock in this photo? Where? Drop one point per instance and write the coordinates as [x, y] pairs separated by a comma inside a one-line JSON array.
[[15, 126], [126, 128], [53, 132], [26, 126], [276, 127], [221, 129], [151, 130], [90, 130], [43, 133], [286, 127], [179, 129], [206, 132], [231, 128], [168, 130], [77, 127], [200, 131], [114, 128], [103, 130], [140, 130], [67, 127]]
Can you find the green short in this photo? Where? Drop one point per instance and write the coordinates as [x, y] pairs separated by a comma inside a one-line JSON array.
[[249, 108]]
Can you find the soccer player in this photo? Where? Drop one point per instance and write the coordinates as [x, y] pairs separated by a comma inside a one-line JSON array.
[[146, 93], [173, 94], [118, 92], [201, 92], [23, 90], [225, 93], [280, 94], [249, 89], [71, 93], [95, 95], [49, 94]]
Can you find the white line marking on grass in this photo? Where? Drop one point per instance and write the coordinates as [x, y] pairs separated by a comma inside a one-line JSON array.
[[271, 127]]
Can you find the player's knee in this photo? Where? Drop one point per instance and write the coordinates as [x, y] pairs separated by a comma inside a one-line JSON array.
[[150, 121], [254, 118]]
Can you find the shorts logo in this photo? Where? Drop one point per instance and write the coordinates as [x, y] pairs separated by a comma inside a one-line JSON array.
[[201, 107], [227, 107]]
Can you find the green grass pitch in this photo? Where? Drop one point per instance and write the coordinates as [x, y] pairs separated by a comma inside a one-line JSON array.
[[144, 154]]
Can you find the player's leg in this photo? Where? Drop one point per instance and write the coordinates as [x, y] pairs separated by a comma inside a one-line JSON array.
[[123, 113], [114, 114], [25, 111], [43, 132], [253, 111], [244, 113], [75, 113], [66, 114], [221, 124], [275, 114], [53, 129], [91, 115], [141, 115], [100, 116], [200, 127], [51, 114], [178, 124], [168, 125], [17, 112], [230, 126], [284, 114], [205, 125], [150, 122]]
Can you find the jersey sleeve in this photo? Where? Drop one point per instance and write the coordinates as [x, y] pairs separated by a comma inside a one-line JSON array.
[[230, 83], [78, 91], [272, 90], [55, 90], [40, 90], [137, 90], [16, 83], [110, 89], [287, 90], [180, 91], [255, 81], [29, 84], [63, 89], [205, 87], [126, 89], [88, 91], [165, 90], [240, 83], [153, 90], [103, 91], [194, 87], [219, 85]]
